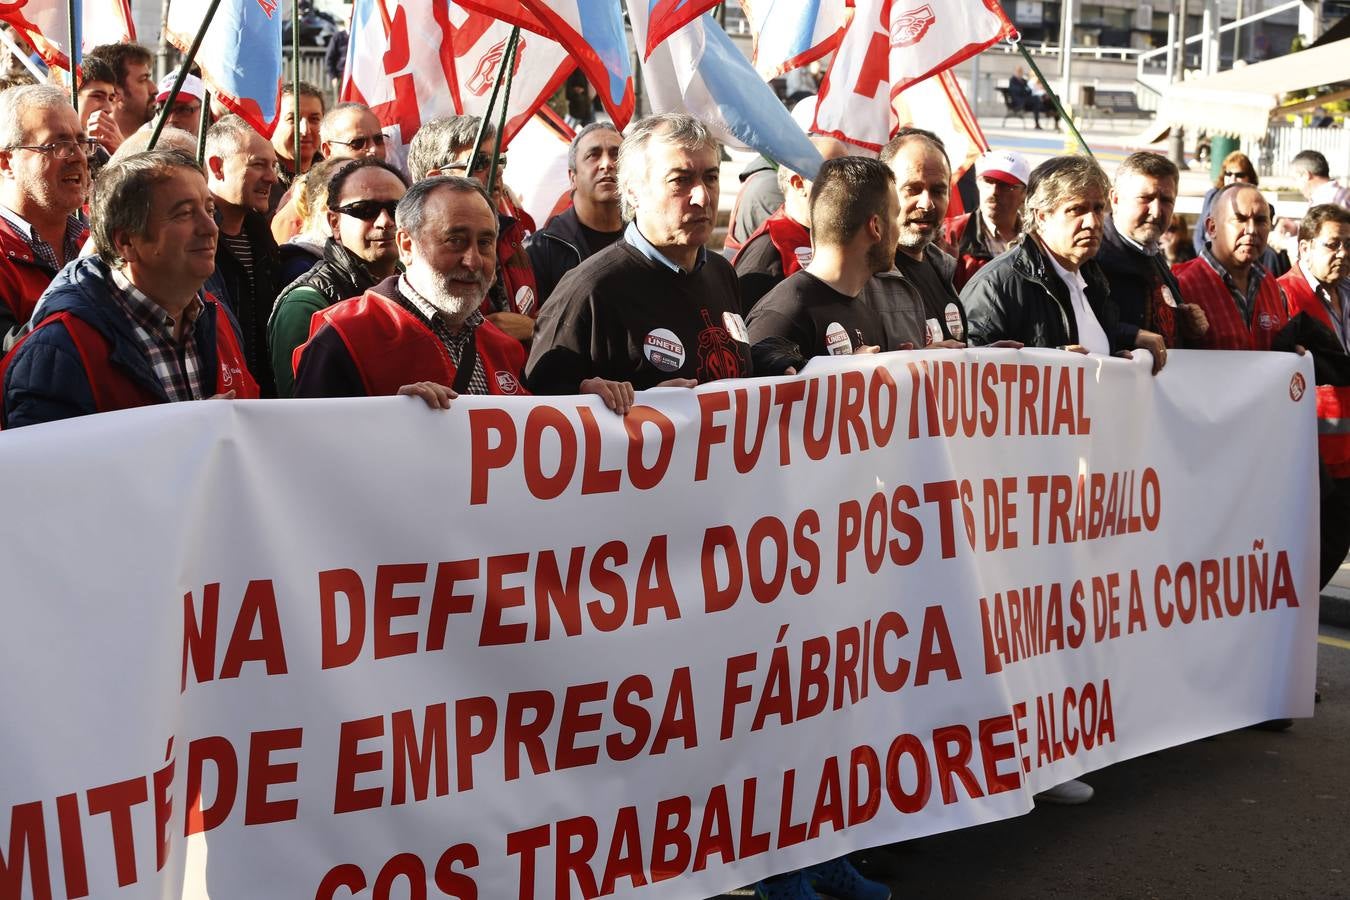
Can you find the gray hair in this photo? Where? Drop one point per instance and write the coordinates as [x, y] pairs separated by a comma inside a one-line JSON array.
[[170, 138], [123, 192], [411, 212], [576, 141], [1058, 179], [677, 129], [228, 135], [1310, 162], [14, 101], [340, 111], [439, 141]]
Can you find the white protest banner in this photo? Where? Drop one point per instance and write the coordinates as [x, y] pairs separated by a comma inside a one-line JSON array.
[[523, 648]]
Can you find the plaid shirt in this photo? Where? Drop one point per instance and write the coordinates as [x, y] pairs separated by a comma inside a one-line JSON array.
[[176, 364], [71, 243], [455, 342]]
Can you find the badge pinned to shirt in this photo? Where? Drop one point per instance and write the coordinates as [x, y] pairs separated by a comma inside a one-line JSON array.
[[735, 327], [663, 349], [525, 300], [954, 327], [804, 255], [837, 342], [1168, 298]]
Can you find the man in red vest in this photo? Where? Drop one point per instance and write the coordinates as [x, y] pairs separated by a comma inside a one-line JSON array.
[[1243, 303], [131, 326], [781, 245], [44, 177], [1320, 284], [423, 333]]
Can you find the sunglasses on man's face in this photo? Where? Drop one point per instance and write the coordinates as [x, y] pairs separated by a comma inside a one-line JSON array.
[[368, 210], [360, 143]]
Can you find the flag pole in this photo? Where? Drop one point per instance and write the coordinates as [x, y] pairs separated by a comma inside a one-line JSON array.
[[182, 73], [496, 86], [1054, 100], [295, 80], [202, 126], [501, 121], [73, 50]]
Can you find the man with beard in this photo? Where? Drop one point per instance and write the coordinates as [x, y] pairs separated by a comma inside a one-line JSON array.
[[130, 64], [819, 308], [421, 333], [1243, 303], [921, 282], [1142, 287], [240, 171], [593, 221], [131, 326], [977, 237], [44, 176], [361, 251]]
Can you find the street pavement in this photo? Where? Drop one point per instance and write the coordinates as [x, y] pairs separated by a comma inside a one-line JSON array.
[[1246, 814]]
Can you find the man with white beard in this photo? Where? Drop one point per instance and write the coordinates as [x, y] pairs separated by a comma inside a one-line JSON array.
[[421, 333]]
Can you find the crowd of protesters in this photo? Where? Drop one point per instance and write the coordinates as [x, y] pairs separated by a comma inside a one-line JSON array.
[[333, 272]]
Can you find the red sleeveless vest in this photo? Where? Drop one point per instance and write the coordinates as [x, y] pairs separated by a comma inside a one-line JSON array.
[[788, 237], [390, 347], [1227, 331], [113, 389]]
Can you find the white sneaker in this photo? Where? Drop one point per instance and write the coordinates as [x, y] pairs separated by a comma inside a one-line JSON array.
[[1070, 793]]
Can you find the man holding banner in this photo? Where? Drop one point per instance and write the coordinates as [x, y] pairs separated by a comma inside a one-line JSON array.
[[130, 327], [655, 309]]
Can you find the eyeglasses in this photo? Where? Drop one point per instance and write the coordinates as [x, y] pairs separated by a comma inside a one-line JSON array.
[[359, 143], [1335, 245], [368, 210], [480, 161], [1234, 174], [62, 149]]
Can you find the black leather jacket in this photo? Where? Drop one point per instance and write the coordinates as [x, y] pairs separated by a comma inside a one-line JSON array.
[[1019, 297]]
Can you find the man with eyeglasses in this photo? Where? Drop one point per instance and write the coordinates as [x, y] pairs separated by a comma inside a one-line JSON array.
[[186, 112], [44, 178], [350, 131], [363, 196], [1320, 284], [241, 168], [131, 325], [446, 147]]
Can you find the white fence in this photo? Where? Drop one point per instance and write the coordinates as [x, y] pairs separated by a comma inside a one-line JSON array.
[[311, 70], [1283, 142]]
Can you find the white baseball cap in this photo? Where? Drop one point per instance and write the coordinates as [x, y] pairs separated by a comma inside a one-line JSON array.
[[1007, 166], [192, 87]]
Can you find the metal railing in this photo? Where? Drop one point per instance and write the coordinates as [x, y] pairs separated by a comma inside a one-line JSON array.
[[1124, 54], [1283, 142], [1148, 57], [312, 70]]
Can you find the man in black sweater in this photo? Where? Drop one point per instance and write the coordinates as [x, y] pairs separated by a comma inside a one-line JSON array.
[[656, 308]]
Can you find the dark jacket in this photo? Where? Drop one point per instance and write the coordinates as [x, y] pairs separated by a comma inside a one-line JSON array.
[[555, 250], [46, 378], [298, 256], [1130, 273], [1019, 297], [341, 276], [251, 301], [966, 237]]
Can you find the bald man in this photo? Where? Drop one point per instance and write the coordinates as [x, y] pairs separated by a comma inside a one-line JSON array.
[[1243, 303]]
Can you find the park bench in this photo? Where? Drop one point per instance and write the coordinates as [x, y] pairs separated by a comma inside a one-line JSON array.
[[1117, 104]]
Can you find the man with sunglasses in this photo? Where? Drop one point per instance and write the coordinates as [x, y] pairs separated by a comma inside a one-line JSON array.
[[241, 168], [351, 131], [446, 147], [44, 178], [363, 195]]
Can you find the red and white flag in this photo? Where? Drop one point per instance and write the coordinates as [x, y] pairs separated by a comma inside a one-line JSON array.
[[893, 44], [448, 67], [46, 25]]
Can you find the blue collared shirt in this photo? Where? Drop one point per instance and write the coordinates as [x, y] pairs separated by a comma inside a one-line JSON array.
[[632, 235], [1245, 304]]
